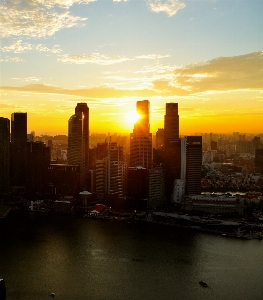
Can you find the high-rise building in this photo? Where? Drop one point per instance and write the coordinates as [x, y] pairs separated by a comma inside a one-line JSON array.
[[18, 151], [138, 187], [159, 138], [63, 180], [4, 155], [141, 138], [38, 161], [259, 160], [191, 163], [117, 171], [101, 177], [172, 148], [156, 188], [78, 141], [82, 108], [171, 121]]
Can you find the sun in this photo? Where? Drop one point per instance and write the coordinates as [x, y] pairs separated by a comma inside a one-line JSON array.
[[132, 117]]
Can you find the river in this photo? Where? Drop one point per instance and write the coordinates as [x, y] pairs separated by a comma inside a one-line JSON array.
[[80, 258]]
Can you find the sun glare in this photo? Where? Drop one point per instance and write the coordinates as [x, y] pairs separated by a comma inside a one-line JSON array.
[[132, 117]]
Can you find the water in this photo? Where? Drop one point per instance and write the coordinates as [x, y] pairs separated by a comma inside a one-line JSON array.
[[98, 259]]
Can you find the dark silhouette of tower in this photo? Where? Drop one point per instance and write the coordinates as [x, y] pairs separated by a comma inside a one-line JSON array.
[[78, 141], [4, 155], [38, 161], [191, 164], [141, 138], [172, 148], [259, 160], [171, 121], [18, 151]]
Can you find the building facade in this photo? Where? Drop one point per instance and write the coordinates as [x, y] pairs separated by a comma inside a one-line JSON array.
[[18, 152], [191, 163], [172, 148], [156, 188], [141, 138], [78, 141], [4, 155]]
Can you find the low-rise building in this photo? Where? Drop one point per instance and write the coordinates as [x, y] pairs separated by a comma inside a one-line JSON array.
[[213, 204]]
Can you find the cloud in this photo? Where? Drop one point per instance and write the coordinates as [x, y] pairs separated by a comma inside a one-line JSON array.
[[101, 59], [152, 56], [11, 59], [20, 47], [35, 19], [27, 79], [94, 58], [170, 7], [120, 0], [62, 3], [222, 74]]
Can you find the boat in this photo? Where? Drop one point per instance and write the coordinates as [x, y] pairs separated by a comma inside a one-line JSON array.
[[202, 283]]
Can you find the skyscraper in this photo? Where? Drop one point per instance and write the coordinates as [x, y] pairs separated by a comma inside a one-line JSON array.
[[78, 141], [172, 148], [259, 160], [141, 138], [191, 163], [117, 171], [171, 121], [4, 155], [18, 151], [156, 188]]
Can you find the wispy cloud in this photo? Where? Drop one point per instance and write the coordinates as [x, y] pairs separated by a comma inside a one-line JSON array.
[[94, 58], [11, 59], [27, 79], [223, 74], [170, 7], [152, 56], [35, 18], [20, 47], [62, 3], [102, 59]]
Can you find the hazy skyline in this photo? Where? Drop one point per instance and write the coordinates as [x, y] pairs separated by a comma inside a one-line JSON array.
[[205, 55]]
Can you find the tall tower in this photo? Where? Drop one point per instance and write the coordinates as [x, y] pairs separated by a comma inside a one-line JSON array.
[[18, 151], [78, 141], [191, 154], [141, 138], [172, 148], [4, 155], [117, 170], [171, 121]]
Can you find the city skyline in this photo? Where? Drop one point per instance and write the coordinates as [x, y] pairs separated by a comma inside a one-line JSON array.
[[204, 55]]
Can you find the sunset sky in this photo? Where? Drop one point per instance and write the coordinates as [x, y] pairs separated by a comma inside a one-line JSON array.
[[205, 55]]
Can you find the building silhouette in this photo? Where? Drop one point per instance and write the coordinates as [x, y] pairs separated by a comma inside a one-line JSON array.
[[259, 160], [63, 180], [156, 188], [78, 141], [159, 138], [4, 155], [37, 163], [18, 151], [172, 148], [191, 163], [141, 138], [137, 187], [117, 171], [171, 121]]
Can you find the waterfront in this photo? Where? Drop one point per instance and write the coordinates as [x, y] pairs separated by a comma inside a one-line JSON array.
[[81, 258]]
